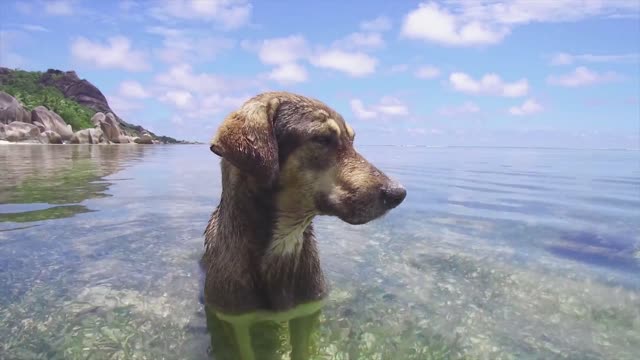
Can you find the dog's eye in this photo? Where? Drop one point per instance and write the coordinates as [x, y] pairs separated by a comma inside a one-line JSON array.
[[323, 139]]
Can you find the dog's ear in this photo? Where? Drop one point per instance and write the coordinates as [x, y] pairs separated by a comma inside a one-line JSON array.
[[246, 138]]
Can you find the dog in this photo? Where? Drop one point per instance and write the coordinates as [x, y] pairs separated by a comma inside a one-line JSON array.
[[285, 158]]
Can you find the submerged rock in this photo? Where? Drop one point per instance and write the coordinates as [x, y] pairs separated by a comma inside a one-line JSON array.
[[47, 120], [11, 110], [20, 131], [50, 137]]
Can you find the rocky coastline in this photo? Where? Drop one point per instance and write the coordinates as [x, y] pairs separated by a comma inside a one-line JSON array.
[[43, 126], [33, 122]]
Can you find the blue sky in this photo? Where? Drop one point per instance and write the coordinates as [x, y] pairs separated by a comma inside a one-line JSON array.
[[495, 73]]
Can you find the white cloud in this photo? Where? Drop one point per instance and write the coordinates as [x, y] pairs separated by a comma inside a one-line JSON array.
[[288, 74], [487, 22], [181, 99], [379, 24], [582, 76], [360, 40], [133, 89], [430, 22], [387, 107], [392, 107], [59, 7], [201, 95], [356, 64], [35, 28], [427, 72], [283, 50], [358, 109], [182, 76], [489, 84], [567, 59], [181, 46], [530, 106], [230, 14], [464, 109], [123, 106], [117, 54]]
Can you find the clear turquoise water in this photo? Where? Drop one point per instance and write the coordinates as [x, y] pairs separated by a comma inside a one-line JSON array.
[[495, 254]]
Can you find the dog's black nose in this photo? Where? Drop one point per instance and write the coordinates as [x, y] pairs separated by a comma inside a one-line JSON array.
[[393, 195]]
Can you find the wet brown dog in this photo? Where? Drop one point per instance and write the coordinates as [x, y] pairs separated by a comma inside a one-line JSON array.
[[285, 159]]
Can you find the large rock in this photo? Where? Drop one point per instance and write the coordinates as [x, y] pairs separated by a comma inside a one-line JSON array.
[[47, 120], [124, 139], [77, 89], [11, 110], [143, 139], [109, 126], [20, 131], [50, 137], [88, 136]]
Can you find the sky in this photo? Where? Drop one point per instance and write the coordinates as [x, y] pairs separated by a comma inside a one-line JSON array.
[[547, 73]]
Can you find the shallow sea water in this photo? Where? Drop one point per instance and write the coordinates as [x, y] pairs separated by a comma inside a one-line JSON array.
[[495, 254]]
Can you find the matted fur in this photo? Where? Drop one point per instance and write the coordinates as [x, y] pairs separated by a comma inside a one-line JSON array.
[[285, 159]]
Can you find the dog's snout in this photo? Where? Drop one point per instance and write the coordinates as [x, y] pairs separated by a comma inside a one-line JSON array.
[[393, 195]]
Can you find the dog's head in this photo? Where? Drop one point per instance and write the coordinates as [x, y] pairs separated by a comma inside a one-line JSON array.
[[304, 150]]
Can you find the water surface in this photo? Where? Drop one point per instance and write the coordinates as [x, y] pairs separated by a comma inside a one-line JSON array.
[[495, 254]]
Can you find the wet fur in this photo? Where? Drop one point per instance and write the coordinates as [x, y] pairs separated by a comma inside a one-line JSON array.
[[285, 159]]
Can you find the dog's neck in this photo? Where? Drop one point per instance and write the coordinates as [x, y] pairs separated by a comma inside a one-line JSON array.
[[259, 217], [288, 232]]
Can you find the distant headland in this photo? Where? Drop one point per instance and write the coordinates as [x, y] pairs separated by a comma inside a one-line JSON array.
[[57, 107]]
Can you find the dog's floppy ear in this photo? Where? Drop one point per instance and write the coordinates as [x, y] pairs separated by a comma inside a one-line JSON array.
[[246, 139]]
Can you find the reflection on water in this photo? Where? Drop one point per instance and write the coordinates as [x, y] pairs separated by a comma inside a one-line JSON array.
[[495, 254]]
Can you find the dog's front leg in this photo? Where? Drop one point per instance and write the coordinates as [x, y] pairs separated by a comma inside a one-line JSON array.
[[300, 331]]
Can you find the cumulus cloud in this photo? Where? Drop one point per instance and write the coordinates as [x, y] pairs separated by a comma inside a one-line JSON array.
[[230, 14], [133, 89], [356, 64], [360, 40], [387, 107], [284, 53], [464, 109], [430, 22], [529, 107], [289, 73], [427, 72], [180, 46], [568, 59], [197, 95], [283, 50], [123, 106], [117, 53], [359, 110], [180, 98], [59, 7], [583, 76], [182, 76], [379, 24], [487, 22], [489, 84]]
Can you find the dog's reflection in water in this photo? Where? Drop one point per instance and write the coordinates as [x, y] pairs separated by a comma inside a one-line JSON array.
[[264, 335]]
